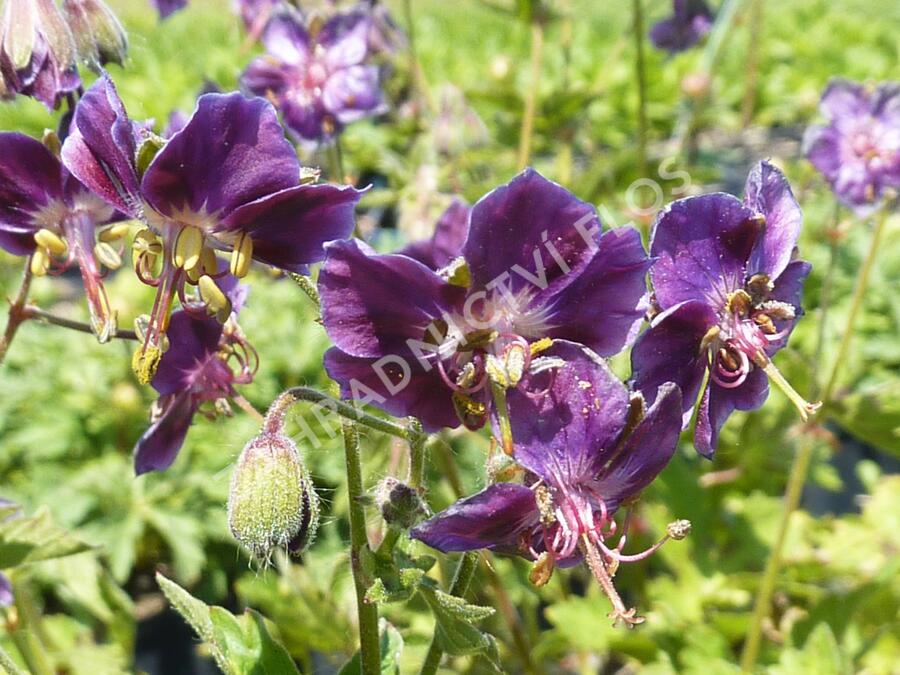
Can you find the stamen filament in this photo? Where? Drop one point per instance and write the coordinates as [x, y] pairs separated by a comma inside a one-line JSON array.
[[803, 406], [499, 394]]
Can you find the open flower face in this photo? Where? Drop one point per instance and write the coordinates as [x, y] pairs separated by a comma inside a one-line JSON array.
[[318, 79], [858, 152], [588, 448], [437, 344], [728, 293], [228, 181], [691, 20], [205, 361], [47, 214]]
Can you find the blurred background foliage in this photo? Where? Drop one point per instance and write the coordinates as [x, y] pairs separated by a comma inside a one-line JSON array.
[[70, 409]]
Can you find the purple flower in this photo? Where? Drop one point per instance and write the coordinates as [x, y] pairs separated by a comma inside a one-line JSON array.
[[691, 20], [168, 7], [37, 52], [728, 293], [203, 363], [432, 344], [229, 180], [587, 447], [318, 81], [858, 152], [255, 14], [448, 239], [6, 592], [47, 214]]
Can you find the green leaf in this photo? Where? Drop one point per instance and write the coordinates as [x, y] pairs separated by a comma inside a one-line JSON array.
[[453, 625], [391, 649], [821, 655], [30, 539], [195, 612]]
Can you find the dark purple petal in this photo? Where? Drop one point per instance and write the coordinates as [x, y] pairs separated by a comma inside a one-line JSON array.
[[159, 446], [305, 119], [353, 93], [6, 592], [494, 517], [289, 228], [372, 304], [100, 150], [510, 225], [769, 193], [789, 289], [647, 450], [266, 77], [231, 152], [286, 38], [718, 403], [565, 420], [701, 245], [605, 303], [192, 342], [30, 180], [449, 236], [669, 351], [691, 20], [168, 7], [417, 392]]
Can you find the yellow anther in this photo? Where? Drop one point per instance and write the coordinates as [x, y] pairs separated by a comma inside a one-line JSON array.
[[51, 141], [242, 255], [515, 363], [208, 261], [51, 241], [145, 362], [107, 255], [188, 245], [542, 570], [114, 232], [40, 262], [541, 345], [496, 372], [213, 296]]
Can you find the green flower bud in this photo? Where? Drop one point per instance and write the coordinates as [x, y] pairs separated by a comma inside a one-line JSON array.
[[99, 36], [400, 504], [273, 502]]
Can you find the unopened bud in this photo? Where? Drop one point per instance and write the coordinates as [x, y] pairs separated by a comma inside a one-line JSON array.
[[99, 35], [272, 503], [400, 504], [679, 529], [696, 85]]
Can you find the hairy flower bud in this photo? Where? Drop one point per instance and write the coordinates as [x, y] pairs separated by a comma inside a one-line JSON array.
[[272, 502], [400, 504], [99, 36]]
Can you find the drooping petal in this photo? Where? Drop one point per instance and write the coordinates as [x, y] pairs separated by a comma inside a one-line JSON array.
[[769, 193], [448, 239], [193, 341], [718, 403], [669, 351], [494, 517], [647, 450], [604, 305], [511, 225], [564, 420], [231, 152], [100, 150], [289, 228], [413, 390], [353, 93], [159, 446], [372, 304], [31, 191], [701, 245]]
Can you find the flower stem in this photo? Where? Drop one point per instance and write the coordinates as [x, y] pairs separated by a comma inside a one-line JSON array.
[[38, 314], [248, 408], [16, 313], [420, 85], [751, 74], [308, 287], [803, 458], [465, 570], [824, 302], [417, 438], [641, 73], [537, 53], [9, 665], [337, 160], [369, 645]]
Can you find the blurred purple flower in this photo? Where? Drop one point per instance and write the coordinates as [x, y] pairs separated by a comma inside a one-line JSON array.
[[418, 342], [6, 591], [204, 362], [38, 57], [691, 20], [587, 448], [858, 152], [320, 82], [47, 214], [728, 291], [168, 7], [229, 180], [447, 242]]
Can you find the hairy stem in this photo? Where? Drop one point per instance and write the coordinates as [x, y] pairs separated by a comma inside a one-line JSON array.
[[16, 307], [307, 286], [537, 55], [9, 665], [641, 74], [417, 438], [465, 570]]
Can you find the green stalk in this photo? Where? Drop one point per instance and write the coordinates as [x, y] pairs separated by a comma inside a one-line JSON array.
[[16, 311], [417, 438], [465, 570], [537, 55], [641, 74], [802, 460], [751, 76], [9, 665], [369, 646], [308, 287]]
